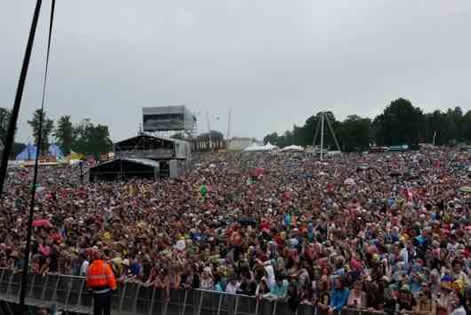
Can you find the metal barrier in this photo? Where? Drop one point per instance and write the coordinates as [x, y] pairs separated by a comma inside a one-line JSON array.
[[70, 294]]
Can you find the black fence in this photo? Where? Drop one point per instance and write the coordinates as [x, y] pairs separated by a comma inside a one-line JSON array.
[[69, 294]]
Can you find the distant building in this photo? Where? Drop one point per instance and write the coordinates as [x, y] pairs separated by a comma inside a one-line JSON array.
[[239, 144]]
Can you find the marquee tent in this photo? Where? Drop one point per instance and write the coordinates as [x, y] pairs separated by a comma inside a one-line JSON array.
[[258, 148], [253, 148], [29, 153], [56, 152], [269, 147], [293, 148]]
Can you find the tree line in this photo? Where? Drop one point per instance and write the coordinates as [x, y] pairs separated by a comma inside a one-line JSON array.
[[400, 123], [85, 137]]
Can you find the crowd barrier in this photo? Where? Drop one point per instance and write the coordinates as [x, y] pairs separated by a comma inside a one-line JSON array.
[[70, 294]]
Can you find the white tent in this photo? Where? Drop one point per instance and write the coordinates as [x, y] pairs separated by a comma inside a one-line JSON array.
[[293, 148], [269, 147], [258, 148], [254, 148]]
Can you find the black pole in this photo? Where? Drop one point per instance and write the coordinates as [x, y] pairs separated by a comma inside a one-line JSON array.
[[81, 172], [19, 95], [30, 219]]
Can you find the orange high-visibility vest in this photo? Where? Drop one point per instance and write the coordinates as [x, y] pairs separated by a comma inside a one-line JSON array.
[[100, 275]]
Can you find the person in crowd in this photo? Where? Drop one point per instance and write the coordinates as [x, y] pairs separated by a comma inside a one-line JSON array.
[[457, 305], [393, 230], [406, 301], [425, 303], [338, 296], [207, 280], [279, 291], [101, 280], [357, 297], [84, 266], [232, 286]]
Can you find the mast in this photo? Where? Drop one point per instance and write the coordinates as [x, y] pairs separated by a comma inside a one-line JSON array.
[[322, 135], [209, 130], [324, 119], [228, 135]]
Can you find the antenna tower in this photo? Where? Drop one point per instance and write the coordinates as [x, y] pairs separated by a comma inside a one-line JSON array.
[[209, 130], [228, 135], [324, 120]]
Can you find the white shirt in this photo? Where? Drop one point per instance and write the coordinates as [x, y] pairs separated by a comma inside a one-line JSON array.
[[232, 288], [459, 311], [84, 268], [405, 255], [271, 276]]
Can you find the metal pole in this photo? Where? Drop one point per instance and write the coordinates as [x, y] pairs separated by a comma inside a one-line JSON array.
[[316, 133], [229, 125], [81, 172], [209, 131], [10, 138], [19, 95], [333, 134], [29, 233], [322, 135]]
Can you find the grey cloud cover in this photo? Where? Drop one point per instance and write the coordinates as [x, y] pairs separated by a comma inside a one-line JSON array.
[[273, 62]]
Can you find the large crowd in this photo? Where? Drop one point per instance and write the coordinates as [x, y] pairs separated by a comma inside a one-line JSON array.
[[386, 232]]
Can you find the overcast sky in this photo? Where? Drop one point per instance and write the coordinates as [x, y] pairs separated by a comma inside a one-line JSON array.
[[274, 62]]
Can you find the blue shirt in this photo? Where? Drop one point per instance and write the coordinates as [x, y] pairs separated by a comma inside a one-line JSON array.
[[338, 298], [287, 219], [135, 269], [279, 290]]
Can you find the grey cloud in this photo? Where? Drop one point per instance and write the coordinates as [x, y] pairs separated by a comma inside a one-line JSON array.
[[274, 62]]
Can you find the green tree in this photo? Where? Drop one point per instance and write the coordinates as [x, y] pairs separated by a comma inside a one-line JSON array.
[[47, 128], [287, 138], [436, 128], [92, 139], [273, 138], [467, 127], [355, 133], [5, 115], [64, 134], [304, 135], [455, 125], [309, 129], [16, 149], [400, 123]]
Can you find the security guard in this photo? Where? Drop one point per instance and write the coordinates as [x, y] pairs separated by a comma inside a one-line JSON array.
[[101, 280]]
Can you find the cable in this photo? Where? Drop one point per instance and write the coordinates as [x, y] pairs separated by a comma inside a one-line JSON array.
[[36, 166]]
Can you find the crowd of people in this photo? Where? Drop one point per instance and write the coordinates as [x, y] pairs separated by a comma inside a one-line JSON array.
[[385, 232]]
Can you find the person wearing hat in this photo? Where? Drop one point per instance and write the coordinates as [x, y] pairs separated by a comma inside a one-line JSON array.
[[101, 280]]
